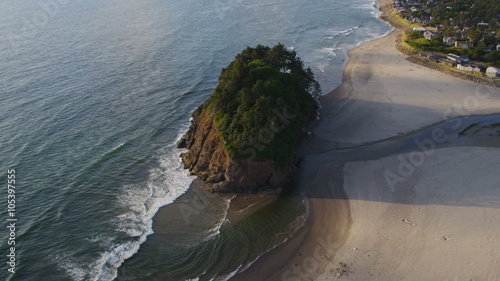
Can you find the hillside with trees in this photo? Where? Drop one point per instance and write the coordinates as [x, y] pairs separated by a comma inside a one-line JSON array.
[[260, 82], [243, 138]]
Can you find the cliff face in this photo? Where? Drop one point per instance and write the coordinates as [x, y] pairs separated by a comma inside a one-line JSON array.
[[207, 158]]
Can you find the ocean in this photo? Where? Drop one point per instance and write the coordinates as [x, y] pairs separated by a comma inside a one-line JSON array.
[[94, 96]]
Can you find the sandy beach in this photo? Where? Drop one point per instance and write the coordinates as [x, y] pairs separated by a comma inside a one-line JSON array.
[[440, 224], [369, 222]]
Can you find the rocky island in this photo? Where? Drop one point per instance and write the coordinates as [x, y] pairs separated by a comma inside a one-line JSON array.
[[242, 138]]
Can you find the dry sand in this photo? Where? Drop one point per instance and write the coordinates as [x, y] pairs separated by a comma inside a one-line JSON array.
[[440, 223]]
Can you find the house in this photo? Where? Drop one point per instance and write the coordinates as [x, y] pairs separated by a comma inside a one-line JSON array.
[[426, 19], [465, 67], [449, 40], [477, 68], [419, 29], [430, 56], [459, 59], [483, 24], [429, 35], [493, 72], [397, 4], [447, 62], [469, 67], [462, 44]]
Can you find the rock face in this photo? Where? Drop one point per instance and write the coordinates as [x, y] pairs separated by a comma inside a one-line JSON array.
[[207, 158]]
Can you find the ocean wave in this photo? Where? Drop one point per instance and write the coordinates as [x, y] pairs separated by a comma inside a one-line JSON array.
[[164, 186], [215, 231], [336, 42], [283, 237], [139, 203], [212, 224], [332, 34], [228, 276], [104, 267], [72, 269]]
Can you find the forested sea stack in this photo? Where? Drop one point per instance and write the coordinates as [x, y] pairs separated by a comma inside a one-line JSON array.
[[243, 137]]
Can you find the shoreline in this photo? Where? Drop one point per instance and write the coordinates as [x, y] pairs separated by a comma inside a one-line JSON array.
[[393, 97]]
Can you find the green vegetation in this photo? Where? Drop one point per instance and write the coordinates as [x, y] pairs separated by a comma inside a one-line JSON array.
[[464, 13], [418, 43], [401, 21], [473, 21], [462, 133], [262, 100], [435, 45], [482, 126]]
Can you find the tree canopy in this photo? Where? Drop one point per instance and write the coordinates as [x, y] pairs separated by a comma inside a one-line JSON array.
[[262, 100]]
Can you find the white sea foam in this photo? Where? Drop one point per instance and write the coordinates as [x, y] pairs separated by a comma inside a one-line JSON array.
[[104, 267], [75, 272], [344, 33], [213, 232], [100, 240], [339, 41], [140, 203], [118, 146], [165, 184], [228, 276], [331, 52]]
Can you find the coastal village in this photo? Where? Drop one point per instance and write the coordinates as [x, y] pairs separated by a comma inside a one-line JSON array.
[[454, 34]]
